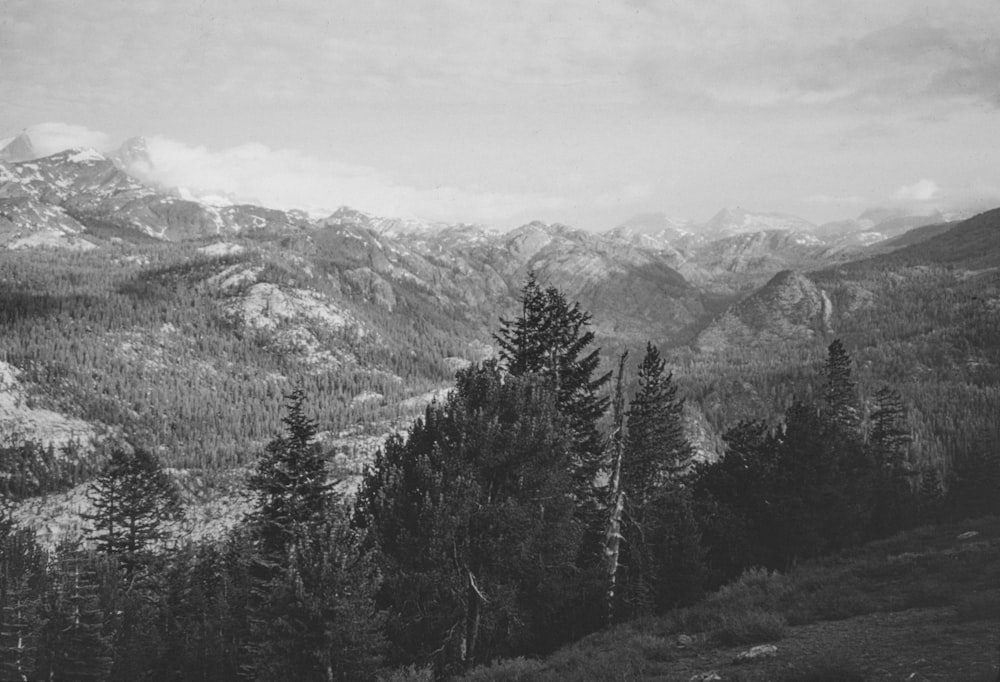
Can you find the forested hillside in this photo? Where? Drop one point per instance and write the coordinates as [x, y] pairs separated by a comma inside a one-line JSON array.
[[923, 318], [509, 519], [434, 446]]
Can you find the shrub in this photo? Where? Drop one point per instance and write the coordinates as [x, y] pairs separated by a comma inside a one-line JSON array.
[[653, 648], [756, 587], [512, 670], [749, 627], [410, 673]]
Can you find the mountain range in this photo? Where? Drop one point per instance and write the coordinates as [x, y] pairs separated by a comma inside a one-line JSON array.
[[137, 311]]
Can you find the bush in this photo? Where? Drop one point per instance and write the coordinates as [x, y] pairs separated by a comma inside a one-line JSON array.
[[749, 627], [410, 673], [757, 587], [513, 670], [653, 648]]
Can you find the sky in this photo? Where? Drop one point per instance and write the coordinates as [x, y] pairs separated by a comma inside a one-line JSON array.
[[584, 112]]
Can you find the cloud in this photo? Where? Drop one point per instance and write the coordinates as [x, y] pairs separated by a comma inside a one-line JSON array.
[[825, 53], [921, 191], [926, 196], [287, 179], [828, 200], [49, 138]]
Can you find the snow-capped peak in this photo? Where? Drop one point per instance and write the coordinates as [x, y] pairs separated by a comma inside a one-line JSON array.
[[84, 155]]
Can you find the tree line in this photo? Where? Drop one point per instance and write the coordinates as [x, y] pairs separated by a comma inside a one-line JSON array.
[[539, 501]]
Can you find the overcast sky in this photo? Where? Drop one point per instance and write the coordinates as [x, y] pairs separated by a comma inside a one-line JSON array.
[[576, 111]]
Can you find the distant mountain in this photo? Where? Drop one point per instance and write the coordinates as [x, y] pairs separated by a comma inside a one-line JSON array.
[[133, 157], [654, 230], [392, 227], [875, 225], [81, 190], [17, 149], [181, 322], [734, 221], [915, 236], [972, 244], [633, 293], [658, 231]]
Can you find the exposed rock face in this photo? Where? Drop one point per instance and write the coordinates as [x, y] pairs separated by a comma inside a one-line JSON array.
[[372, 286], [789, 308], [19, 418], [18, 149], [82, 189], [133, 157]]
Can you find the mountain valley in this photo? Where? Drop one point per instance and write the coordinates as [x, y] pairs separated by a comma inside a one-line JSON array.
[[139, 315]]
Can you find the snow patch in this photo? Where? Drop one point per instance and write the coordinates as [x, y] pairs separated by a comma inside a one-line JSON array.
[[86, 156]]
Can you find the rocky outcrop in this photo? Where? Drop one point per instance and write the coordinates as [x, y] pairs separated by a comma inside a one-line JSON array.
[[790, 308]]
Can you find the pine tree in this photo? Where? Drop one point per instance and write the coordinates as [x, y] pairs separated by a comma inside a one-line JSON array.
[[656, 454], [22, 567], [930, 496], [471, 516], [310, 605], [735, 497], [548, 339], [657, 449], [840, 392], [133, 499], [205, 585], [290, 481], [75, 642], [675, 550], [974, 482], [315, 619], [888, 442]]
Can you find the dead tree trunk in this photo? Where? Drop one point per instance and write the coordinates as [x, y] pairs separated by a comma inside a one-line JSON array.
[[616, 500]]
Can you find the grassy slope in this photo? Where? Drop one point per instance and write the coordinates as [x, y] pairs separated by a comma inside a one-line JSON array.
[[923, 605]]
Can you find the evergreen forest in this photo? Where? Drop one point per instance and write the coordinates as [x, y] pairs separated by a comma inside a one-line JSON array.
[[552, 492]]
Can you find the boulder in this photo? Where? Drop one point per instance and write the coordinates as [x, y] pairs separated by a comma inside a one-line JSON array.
[[710, 676], [756, 653]]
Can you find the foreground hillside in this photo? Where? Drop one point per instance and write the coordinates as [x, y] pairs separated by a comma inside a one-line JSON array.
[[923, 605]]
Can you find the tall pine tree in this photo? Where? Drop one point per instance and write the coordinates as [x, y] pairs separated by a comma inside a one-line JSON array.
[[662, 541], [290, 481], [75, 642], [840, 393], [657, 450], [311, 600], [888, 442], [550, 338], [472, 517], [22, 569], [133, 499]]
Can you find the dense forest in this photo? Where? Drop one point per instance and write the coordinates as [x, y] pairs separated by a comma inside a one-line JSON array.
[[544, 498], [144, 342]]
